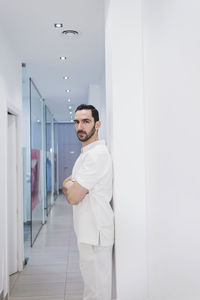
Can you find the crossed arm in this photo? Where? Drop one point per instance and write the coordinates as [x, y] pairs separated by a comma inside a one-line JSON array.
[[73, 190]]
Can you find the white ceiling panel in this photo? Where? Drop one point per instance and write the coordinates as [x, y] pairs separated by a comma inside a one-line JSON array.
[[30, 27]]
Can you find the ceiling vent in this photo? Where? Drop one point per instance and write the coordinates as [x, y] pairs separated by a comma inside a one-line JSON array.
[[70, 33]]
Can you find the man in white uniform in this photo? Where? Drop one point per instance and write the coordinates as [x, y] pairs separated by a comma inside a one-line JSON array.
[[89, 190]]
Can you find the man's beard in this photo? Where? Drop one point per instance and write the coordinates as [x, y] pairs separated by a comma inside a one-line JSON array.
[[86, 136]]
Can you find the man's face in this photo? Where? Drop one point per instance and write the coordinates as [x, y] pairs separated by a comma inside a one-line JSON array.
[[84, 124]]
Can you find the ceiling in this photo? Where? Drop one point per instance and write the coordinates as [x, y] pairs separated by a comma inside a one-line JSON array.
[[29, 26]]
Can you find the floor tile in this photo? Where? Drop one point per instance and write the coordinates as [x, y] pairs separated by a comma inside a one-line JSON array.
[[38, 289], [41, 278], [52, 271], [12, 280], [71, 297], [46, 260], [45, 269], [74, 277], [38, 298]]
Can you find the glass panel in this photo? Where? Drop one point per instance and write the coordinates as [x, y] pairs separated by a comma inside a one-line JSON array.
[[56, 189], [36, 161], [68, 150], [48, 159], [44, 163], [26, 162]]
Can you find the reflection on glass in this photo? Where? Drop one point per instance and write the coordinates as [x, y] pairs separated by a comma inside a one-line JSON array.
[[49, 154], [36, 162], [26, 162]]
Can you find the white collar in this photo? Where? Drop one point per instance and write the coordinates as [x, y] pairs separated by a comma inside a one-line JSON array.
[[91, 145]]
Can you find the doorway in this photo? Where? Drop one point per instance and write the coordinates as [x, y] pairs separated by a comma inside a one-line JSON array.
[[12, 194]]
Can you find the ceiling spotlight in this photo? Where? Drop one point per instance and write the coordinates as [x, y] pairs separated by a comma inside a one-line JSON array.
[[70, 112], [70, 33], [65, 77], [69, 100], [70, 107], [58, 25], [63, 57], [67, 91]]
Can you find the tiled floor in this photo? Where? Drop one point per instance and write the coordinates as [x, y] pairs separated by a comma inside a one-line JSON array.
[[53, 271]]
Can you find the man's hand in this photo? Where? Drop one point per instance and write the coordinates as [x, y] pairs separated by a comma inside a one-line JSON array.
[[66, 184], [76, 193], [73, 191]]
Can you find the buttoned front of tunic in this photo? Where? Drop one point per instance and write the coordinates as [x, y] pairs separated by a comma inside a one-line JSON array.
[[93, 216]]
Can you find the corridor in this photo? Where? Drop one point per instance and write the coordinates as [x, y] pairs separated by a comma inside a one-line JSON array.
[[52, 271]]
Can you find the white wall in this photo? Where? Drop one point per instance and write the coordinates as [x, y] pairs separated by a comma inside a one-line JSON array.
[[97, 97], [10, 97], [152, 54], [172, 110], [126, 140], [3, 187]]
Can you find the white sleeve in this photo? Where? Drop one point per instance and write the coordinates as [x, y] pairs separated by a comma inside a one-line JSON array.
[[92, 169]]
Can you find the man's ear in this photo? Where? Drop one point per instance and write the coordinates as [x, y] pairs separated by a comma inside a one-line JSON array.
[[98, 125]]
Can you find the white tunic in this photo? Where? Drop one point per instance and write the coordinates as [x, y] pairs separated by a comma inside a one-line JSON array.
[[93, 216]]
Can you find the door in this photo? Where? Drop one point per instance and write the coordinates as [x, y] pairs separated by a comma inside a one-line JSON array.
[[12, 195]]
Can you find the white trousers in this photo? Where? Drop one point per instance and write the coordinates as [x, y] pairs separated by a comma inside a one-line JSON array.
[[96, 269]]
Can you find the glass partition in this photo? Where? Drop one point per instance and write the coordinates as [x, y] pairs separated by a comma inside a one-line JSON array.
[[26, 161], [49, 167], [36, 161], [56, 188]]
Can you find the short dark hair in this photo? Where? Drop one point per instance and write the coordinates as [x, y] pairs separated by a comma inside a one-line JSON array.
[[94, 111]]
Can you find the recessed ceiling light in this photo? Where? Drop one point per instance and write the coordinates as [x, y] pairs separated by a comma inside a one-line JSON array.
[[70, 107], [72, 120], [66, 77], [63, 57], [70, 33], [69, 100], [67, 91], [70, 112], [58, 25]]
